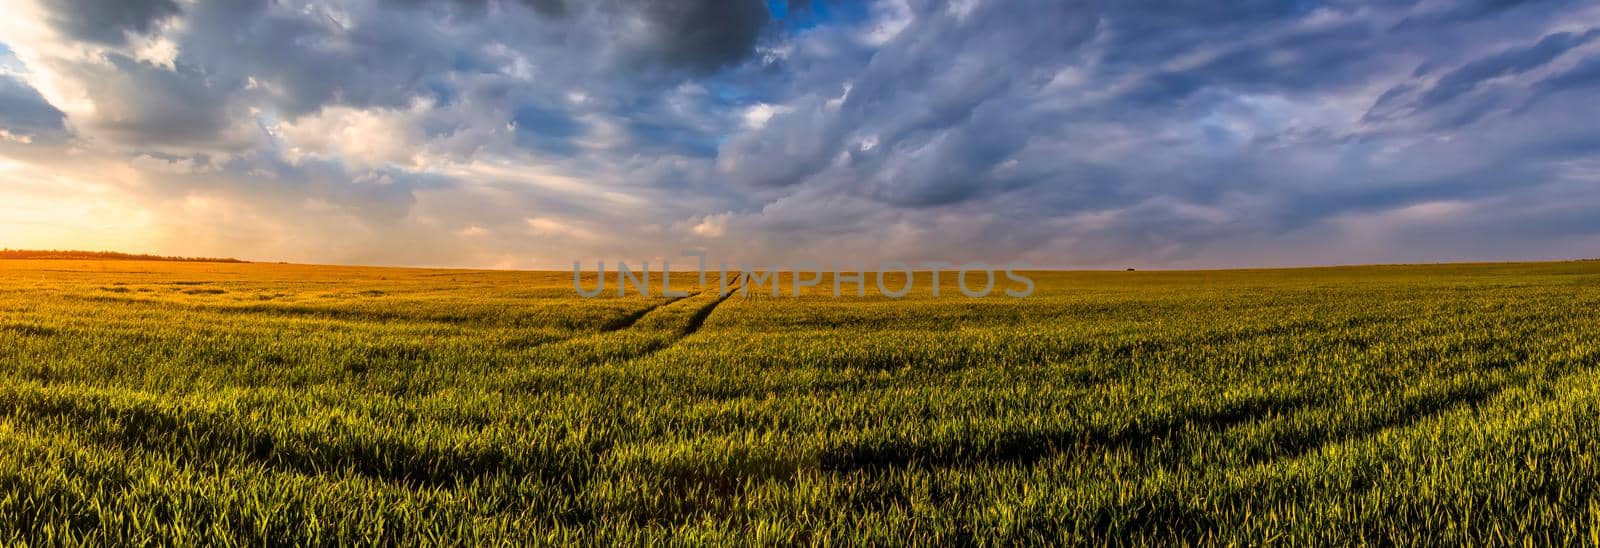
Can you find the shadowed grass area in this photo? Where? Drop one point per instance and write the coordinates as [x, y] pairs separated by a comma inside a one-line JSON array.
[[192, 403]]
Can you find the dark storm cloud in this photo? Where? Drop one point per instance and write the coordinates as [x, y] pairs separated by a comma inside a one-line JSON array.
[[23, 112], [698, 35], [109, 21], [702, 35]]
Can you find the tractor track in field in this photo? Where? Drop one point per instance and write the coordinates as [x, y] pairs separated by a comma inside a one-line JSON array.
[[695, 322], [643, 333], [627, 321], [700, 316]]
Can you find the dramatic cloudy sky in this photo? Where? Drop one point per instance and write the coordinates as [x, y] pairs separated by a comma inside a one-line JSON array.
[[530, 133]]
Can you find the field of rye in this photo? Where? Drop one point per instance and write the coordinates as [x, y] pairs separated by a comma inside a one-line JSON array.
[[250, 404]]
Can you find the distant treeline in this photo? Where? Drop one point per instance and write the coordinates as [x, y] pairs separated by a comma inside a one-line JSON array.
[[103, 256]]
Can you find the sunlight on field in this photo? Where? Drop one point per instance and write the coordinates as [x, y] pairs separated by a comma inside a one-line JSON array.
[[304, 405]]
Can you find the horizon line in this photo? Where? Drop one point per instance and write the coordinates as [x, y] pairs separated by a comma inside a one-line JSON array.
[[120, 256]]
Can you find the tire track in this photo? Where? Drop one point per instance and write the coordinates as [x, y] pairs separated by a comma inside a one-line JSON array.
[[657, 329], [695, 321], [700, 316], [629, 320]]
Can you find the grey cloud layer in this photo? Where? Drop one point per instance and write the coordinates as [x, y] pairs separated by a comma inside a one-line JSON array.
[[25, 113], [109, 21], [1062, 133]]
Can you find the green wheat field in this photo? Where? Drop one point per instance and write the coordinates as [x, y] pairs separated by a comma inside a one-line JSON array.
[[251, 404]]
